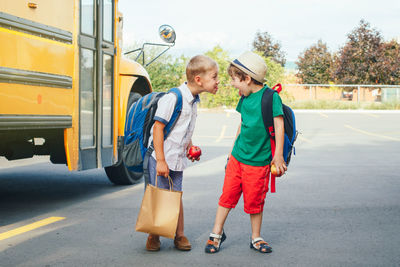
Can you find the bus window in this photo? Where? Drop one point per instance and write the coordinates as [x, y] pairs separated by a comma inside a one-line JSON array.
[[68, 87], [107, 98], [87, 17], [87, 75], [108, 20]]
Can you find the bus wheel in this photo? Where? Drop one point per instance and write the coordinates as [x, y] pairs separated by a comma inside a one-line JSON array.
[[118, 173]]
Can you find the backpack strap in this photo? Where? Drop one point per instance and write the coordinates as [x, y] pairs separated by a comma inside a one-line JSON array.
[[177, 112], [146, 173], [266, 111], [277, 87]]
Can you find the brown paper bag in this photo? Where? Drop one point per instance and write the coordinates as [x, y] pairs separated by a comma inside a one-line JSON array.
[[159, 211]]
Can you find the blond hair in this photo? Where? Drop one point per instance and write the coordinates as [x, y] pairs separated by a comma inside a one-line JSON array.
[[199, 65]]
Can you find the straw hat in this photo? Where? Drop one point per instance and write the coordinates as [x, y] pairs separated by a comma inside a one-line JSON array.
[[252, 64]]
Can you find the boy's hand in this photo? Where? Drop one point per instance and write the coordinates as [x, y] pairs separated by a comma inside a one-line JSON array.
[[162, 168], [190, 157], [280, 165], [188, 154]]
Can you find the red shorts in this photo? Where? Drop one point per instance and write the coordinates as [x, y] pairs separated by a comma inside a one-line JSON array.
[[251, 180]]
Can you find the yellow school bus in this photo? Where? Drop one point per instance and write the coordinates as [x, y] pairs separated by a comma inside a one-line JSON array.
[[64, 86]]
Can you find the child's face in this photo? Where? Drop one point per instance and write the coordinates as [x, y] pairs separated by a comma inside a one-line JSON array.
[[210, 80], [242, 86]]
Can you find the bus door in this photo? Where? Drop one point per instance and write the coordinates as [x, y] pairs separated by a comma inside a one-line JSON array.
[[96, 49]]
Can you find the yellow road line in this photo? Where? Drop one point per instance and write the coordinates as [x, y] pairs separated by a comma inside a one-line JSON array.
[[304, 139], [29, 227], [221, 136], [372, 134], [371, 115], [323, 115]]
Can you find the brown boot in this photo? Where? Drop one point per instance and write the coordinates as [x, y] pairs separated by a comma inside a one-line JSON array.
[[182, 243], [153, 243]]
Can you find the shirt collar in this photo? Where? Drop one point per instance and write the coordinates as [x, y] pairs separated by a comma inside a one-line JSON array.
[[187, 94]]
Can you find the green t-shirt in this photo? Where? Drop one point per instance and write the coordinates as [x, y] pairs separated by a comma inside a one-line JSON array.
[[252, 146]]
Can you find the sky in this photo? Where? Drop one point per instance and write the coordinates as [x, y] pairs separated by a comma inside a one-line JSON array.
[[295, 24]]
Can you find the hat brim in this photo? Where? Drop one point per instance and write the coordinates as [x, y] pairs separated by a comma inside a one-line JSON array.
[[248, 72]]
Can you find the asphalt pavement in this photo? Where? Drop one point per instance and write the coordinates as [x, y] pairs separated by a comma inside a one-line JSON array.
[[338, 204]]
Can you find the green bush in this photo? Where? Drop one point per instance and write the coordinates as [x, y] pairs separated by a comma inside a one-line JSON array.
[[227, 95]]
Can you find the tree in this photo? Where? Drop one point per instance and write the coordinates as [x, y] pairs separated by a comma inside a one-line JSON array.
[[389, 63], [264, 43], [275, 72], [226, 95], [166, 71], [315, 64], [357, 61]]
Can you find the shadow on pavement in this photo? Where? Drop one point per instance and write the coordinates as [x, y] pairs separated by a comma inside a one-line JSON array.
[[29, 191]]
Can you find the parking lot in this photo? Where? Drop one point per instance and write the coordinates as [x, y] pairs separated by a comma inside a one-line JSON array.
[[338, 204]]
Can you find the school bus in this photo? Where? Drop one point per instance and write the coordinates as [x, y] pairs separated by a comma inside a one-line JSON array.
[[64, 85]]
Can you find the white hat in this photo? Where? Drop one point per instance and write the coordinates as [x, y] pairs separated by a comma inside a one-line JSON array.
[[251, 64]]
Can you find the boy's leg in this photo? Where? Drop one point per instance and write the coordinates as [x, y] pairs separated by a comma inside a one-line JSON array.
[[217, 236], [180, 227], [153, 241], [177, 177], [220, 218], [256, 221], [257, 242], [255, 188], [181, 242], [231, 192]]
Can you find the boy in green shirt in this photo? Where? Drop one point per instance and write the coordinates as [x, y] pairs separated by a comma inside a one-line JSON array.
[[248, 167]]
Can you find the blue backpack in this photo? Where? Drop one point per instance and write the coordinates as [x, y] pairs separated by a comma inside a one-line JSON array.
[[289, 121], [140, 119]]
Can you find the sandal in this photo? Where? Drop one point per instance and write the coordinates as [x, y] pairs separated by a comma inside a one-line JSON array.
[[260, 245], [214, 242]]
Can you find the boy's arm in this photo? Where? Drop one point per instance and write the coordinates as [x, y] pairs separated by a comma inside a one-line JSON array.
[[237, 134], [278, 160], [158, 142]]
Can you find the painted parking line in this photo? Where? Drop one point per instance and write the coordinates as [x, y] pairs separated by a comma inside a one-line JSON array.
[[323, 115], [372, 134], [221, 136], [29, 227], [304, 139], [371, 115]]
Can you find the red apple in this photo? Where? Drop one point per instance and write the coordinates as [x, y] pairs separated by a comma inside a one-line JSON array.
[[195, 152]]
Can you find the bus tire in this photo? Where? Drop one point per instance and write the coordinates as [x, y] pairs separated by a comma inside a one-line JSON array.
[[118, 173]]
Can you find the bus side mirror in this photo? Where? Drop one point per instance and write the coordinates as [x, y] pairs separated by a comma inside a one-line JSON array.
[[167, 34]]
